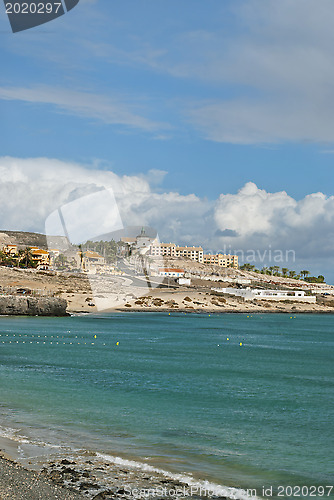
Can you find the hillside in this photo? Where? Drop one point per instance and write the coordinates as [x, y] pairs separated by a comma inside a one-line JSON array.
[[24, 239]]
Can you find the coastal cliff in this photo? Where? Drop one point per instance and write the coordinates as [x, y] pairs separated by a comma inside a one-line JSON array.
[[32, 306]]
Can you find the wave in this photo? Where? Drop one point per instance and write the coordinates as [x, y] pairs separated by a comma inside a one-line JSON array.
[[198, 487]]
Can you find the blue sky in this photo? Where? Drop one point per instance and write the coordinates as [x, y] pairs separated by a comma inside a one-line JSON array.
[[212, 95]]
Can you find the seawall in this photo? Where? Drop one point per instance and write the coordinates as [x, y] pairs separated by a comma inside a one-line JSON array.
[[32, 306]]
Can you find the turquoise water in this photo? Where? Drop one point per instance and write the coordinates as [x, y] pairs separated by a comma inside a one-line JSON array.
[[175, 393]]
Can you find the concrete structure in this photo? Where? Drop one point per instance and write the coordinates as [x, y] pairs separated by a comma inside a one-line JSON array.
[[172, 273], [258, 294], [222, 260]]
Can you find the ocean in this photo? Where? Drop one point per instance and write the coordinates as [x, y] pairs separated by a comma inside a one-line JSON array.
[[243, 401]]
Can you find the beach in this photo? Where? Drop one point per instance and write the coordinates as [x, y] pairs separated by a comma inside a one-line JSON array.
[[93, 476], [18, 483], [90, 294]]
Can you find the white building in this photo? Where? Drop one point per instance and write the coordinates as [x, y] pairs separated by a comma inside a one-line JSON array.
[[258, 294], [172, 273]]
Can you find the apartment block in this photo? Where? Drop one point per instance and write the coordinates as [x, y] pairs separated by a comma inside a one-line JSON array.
[[172, 250], [222, 260]]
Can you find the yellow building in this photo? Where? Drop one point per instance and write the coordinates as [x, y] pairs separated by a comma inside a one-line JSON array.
[[222, 260], [40, 256], [92, 260], [10, 250]]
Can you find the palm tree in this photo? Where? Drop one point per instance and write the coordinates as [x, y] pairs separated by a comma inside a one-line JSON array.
[[81, 258], [26, 257], [304, 273], [264, 270], [276, 269], [292, 274], [247, 267], [3, 258], [285, 271]]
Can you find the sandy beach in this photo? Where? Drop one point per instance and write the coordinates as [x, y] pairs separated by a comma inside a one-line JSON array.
[[90, 294]]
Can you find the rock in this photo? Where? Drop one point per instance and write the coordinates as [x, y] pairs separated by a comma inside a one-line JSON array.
[[104, 495], [32, 306], [89, 486]]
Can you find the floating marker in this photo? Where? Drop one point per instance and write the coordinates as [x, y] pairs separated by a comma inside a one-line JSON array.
[[117, 343], [227, 338], [240, 343], [94, 336]]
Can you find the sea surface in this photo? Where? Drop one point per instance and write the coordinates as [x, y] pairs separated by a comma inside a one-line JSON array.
[[244, 401]]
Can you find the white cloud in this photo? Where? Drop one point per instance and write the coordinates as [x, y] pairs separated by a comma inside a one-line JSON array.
[[30, 189], [113, 111], [260, 219]]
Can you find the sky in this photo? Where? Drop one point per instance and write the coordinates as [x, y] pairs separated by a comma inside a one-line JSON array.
[[211, 121]]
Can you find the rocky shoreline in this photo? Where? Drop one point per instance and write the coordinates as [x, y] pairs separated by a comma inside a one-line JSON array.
[[92, 477], [14, 305]]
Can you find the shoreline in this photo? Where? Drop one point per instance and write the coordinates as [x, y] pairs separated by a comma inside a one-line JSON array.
[[92, 475], [213, 311]]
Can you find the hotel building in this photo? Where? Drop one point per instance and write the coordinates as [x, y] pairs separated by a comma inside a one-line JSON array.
[[221, 260]]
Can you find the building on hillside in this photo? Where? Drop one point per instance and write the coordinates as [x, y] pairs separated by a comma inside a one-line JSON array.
[[171, 273], [193, 253], [40, 257], [222, 260], [91, 258], [143, 240], [163, 249], [128, 240], [10, 250], [172, 250]]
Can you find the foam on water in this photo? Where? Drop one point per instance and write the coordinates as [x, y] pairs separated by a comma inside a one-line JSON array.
[[206, 488]]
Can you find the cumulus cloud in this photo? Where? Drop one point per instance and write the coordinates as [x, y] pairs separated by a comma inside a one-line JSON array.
[[31, 189], [261, 219], [251, 219]]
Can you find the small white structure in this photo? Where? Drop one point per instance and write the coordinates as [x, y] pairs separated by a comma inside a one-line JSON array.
[[259, 294], [172, 273], [184, 281]]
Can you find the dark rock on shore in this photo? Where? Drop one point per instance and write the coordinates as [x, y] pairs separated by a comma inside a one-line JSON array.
[[17, 483], [32, 306]]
